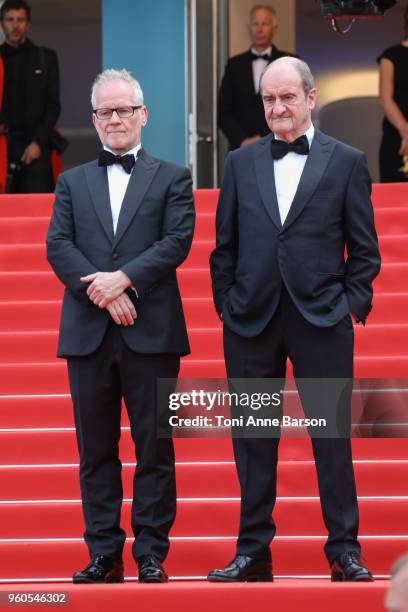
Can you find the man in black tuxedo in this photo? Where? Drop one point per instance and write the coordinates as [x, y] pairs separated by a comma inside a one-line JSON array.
[[31, 105], [120, 228], [288, 206], [240, 111]]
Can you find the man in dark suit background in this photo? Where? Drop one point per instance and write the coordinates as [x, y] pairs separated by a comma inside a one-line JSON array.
[[240, 111], [120, 228], [31, 104], [289, 204]]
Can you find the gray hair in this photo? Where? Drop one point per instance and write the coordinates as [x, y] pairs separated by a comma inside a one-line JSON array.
[[263, 7], [110, 74], [301, 68]]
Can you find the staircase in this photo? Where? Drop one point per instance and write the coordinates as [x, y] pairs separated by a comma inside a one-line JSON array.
[[40, 512]]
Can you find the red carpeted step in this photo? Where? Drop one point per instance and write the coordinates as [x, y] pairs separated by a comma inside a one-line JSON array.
[[389, 194], [206, 479], [392, 278], [389, 308], [30, 316], [189, 557], [45, 447], [33, 230], [391, 220], [394, 249], [284, 594], [26, 205], [44, 316], [45, 378], [194, 282], [23, 257], [32, 256], [17, 286], [198, 517], [41, 346], [38, 205]]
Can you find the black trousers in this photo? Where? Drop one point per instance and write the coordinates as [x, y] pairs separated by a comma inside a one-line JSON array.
[[32, 178], [98, 382], [316, 352]]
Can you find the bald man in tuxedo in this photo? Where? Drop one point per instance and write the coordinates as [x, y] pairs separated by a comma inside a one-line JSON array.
[[289, 205]]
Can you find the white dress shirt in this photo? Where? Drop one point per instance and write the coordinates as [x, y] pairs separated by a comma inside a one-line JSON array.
[[288, 171], [258, 66], [118, 180]]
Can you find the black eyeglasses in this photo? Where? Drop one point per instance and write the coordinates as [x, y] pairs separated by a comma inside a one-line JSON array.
[[124, 112]]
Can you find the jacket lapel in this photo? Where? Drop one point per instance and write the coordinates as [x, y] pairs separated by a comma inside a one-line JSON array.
[[266, 179], [142, 175], [97, 180], [318, 158]]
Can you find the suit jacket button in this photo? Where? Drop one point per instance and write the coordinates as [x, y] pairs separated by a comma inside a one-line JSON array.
[[114, 255], [281, 237]]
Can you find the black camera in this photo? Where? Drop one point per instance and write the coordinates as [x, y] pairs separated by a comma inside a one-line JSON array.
[[335, 9]]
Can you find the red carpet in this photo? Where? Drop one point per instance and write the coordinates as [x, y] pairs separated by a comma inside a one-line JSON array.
[[40, 515]]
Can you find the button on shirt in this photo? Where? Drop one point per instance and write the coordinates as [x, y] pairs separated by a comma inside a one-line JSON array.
[[288, 171], [258, 66], [118, 180]]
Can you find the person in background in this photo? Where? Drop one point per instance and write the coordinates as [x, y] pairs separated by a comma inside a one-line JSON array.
[[393, 64], [30, 105], [240, 111], [396, 599]]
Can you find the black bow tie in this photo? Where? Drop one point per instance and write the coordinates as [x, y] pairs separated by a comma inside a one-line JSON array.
[[107, 159], [281, 148], [254, 56]]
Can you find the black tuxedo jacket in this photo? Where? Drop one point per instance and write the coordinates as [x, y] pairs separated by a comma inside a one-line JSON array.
[[153, 237], [42, 97], [240, 108], [254, 253]]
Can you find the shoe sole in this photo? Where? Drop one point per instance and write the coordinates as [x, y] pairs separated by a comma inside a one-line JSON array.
[[340, 578], [253, 578], [108, 581]]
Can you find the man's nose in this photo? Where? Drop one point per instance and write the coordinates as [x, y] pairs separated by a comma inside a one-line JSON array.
[[278, 108], [115, 118]]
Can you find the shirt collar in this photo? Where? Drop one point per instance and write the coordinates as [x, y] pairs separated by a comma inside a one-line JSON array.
[[309, 134], [135, 150], [267, 51]]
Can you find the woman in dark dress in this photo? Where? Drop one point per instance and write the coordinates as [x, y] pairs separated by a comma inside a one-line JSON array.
[[394, 102]]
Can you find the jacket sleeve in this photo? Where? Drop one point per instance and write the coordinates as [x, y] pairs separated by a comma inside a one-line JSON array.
[[67, 261], [52, 110], [166, 254], [223, 258], [227, 105], [363, 256]]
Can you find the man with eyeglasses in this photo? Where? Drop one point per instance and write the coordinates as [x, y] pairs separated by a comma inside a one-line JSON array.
[[121, 226]]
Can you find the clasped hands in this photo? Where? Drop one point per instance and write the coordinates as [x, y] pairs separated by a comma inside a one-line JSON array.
[[106, 290]]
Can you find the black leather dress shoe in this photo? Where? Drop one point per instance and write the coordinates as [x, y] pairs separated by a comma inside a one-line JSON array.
[[100, 569], [150, 570], [348, 568], [243, 569]]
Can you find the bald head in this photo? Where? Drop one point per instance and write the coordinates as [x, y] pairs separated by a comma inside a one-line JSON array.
[[291, 63]]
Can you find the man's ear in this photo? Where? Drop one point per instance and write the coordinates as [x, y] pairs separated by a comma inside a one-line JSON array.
[[312, 97], [145, 115]]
